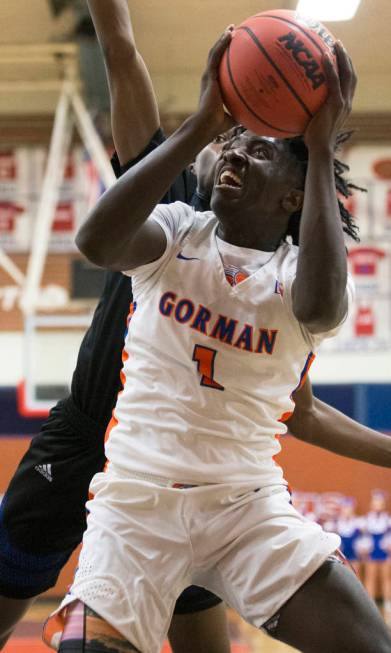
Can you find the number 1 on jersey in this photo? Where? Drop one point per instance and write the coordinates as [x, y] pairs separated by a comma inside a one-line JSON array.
[[205, 359]]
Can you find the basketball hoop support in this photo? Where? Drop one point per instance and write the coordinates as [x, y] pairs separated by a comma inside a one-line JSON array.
[[70, 113], [29, 405], [70, 109]]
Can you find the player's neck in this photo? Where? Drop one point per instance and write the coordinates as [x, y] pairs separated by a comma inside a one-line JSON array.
[[249, 239]]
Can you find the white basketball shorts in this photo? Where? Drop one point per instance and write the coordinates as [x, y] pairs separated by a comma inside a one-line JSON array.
[[146, 543]]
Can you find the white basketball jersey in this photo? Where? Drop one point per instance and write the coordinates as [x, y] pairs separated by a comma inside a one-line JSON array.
[[209, 368]]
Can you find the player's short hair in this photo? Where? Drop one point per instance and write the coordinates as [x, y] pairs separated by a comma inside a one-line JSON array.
[[299, 150]]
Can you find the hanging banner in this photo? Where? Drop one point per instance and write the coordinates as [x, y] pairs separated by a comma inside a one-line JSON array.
[[21, 179]]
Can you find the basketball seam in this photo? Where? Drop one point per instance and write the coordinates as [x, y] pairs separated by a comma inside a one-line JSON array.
[[278, 71], [296, 26], [283, 131]]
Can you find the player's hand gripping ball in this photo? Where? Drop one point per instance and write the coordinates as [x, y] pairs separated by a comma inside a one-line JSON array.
[[271, 75]]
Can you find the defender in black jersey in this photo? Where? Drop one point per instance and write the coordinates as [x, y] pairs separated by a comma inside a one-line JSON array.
[[42, 522]]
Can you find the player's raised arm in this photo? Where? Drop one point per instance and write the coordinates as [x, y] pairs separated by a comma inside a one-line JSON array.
[[116, 234], [319, 292], [316, 423], [134, 111]]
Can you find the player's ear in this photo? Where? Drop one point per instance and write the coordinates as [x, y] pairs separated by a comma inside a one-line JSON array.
[[293, 200]]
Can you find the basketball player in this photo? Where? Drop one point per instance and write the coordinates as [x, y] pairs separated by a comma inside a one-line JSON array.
[[349, 528], [377, 567], [34, 542], [191, 492]]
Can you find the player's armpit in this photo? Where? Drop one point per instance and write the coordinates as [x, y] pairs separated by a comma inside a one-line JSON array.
[[300, 421], [321, 317]]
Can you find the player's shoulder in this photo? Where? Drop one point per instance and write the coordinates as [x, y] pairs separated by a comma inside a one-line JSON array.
[[188, 209], [197, 221], [180, 221], [202, 227], [175, 213], [204, 219], [287, 255], [290, 251]]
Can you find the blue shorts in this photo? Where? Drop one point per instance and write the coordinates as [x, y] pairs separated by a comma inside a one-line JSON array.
[[378, 554], [347, 548]]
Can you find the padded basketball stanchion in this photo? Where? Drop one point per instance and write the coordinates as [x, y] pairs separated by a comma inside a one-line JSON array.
[[70, 112], [70, 107], [9, 266], [49, 197], [91, 139], [30, 403]]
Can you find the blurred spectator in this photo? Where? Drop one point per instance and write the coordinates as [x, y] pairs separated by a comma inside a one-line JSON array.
[[377, 573], [365, 539]]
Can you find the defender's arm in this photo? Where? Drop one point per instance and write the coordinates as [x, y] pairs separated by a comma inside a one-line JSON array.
[[319, 424], [134, 111]]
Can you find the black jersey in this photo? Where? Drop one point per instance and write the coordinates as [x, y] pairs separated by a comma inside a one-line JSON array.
[[96, 379]]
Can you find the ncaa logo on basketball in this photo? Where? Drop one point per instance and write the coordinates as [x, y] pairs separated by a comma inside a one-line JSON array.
[[304, 57]]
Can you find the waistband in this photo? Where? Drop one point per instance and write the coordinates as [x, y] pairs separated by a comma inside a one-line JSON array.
[[165, 482], [169, 483], [81, 421]]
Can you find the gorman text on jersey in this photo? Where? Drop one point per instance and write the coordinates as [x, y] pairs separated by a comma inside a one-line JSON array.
[[223, 328]]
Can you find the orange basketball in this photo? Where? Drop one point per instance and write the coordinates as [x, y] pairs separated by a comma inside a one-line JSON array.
[[272, 76]]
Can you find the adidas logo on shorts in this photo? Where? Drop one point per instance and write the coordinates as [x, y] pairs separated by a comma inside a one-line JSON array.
[[45, 470]]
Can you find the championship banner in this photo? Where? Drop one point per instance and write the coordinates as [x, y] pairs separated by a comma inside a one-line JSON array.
[[370, 167], [368, 327], [21, 178]]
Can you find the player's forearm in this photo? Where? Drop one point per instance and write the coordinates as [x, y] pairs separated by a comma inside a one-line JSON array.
[[125, 207], [134, 111], [113, 26], [320, 286], [328, 428]]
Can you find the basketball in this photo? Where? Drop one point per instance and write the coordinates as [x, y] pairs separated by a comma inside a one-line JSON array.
[[271, 76]]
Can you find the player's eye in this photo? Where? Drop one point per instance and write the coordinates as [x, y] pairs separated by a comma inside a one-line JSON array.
[[221, 138], [261, 152]]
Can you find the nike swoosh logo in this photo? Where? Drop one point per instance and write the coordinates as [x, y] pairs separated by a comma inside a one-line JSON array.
[[187, 258]]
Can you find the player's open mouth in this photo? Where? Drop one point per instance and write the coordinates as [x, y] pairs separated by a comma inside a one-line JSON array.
[[229, 178]]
